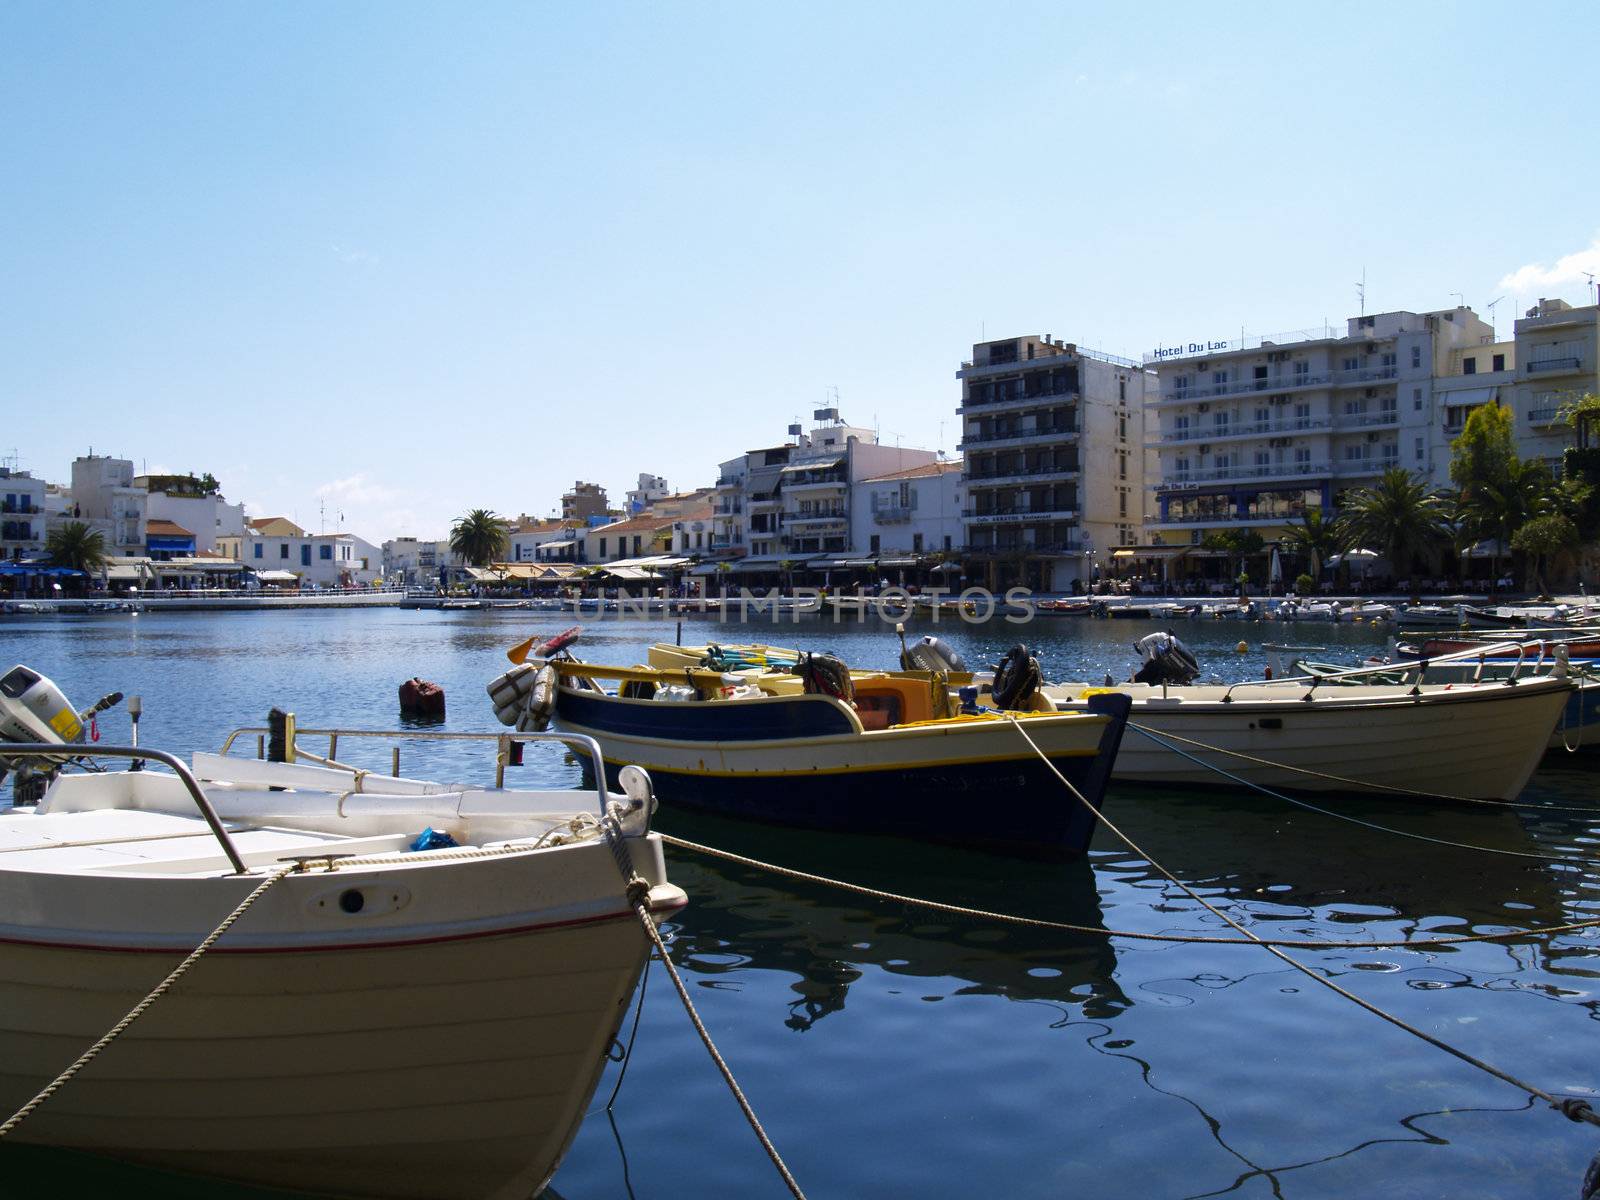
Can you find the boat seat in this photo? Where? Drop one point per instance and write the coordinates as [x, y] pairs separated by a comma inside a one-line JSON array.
[[896, 701]]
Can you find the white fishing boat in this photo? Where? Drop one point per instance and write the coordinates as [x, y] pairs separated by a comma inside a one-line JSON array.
[[1478, 740], [420, 1008]]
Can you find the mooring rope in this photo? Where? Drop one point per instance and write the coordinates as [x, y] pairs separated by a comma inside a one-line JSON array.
[[139, 1009], [1160, 738], [983, 914], [1571, 1107], [1364, 784], [638, 892]]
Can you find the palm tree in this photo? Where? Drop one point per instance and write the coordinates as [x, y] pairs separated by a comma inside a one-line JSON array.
[[1398, 516], [1315, 537], [480, 537], [76, 546], [1497, 507]]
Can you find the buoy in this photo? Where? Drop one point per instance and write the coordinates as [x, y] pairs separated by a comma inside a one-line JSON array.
[[1267, 674], [419, 698], [1243, 648]]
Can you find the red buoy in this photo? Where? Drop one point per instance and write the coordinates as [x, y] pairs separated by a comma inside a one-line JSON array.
[[419, 698]]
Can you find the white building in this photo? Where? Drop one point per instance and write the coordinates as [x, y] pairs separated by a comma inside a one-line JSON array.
[[277, 544], [104, 497], [1556, 362], [908, 513], [650, 489], [1055, 459], [1253, 435], [22, 514], [178, 498]]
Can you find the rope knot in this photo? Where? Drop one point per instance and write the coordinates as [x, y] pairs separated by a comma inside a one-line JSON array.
[[638, 889], [1574, 1108]]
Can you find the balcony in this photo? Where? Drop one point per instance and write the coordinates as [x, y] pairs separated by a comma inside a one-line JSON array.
[[1202, 521], [1033, 475], [1016, 547], [1243, 387], [1016, 516], [1019, 403], [1289, 425], [1366, 466], [814, 520], [1384, 416], [768, 500], [1016, 437], [1546, 365], [894, 514], [813, 485], [1294, 470], [730, 481], [1547, 416]]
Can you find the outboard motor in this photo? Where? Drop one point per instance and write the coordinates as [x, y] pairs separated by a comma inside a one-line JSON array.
[[1166, 660], [931, 654], [34, 709]]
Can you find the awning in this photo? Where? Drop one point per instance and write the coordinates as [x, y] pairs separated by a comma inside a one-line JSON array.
[[483, 575], [815, 464], [762, 562], [125, 573], [1155, 552], [898, 562], [566, 545], [628, 574], [762, 481], [277, 577], [1465, 396]]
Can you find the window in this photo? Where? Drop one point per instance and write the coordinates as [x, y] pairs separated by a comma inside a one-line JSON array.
[[602, 547], [1122, 464], [1181, 466], [1222, 462], [875, 539], [1122, 388], [1367, 323], [1180, 384], [1122, 503], [283, 550], [1350, 364], [1260, 376], [1499, 362], [1219, 378], [916, 543], [1387, 360], [1469, 366], [1220, 421], [1353, 453], [1302, 456], [947, 544], [305, 554], [1301, 370], [1419, 449], [325, 553], [1416, 399], [1416, 358], [1180, 427], [1302, 415], [259, 549], [1263, 459], [1122, 429]]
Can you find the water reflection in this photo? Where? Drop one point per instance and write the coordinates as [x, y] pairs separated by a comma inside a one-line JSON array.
[[744, 918]]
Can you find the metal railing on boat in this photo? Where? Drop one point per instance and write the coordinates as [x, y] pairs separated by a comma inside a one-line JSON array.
[[503, 743], [1419, 667], [145, 754]]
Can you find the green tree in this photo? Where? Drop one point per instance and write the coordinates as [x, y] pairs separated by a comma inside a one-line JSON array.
[[480, 537], [1397, 516], [77, 546], [1545, 538], [1314, 538]]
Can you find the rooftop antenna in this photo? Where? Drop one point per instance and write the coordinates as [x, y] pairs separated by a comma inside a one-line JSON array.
[[1361, 291], [1491, 306], [322, 516], [1461, 300], [1589, 275]]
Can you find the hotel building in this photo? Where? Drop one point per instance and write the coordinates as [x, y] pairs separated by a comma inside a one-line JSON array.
[[1253, 435]]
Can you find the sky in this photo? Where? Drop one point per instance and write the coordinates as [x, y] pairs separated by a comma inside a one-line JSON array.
[[375, 264]]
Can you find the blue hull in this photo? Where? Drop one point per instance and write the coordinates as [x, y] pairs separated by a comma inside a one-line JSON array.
[[1016, 806]]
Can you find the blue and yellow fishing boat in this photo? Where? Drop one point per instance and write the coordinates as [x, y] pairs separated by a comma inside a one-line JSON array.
[[863, 752]]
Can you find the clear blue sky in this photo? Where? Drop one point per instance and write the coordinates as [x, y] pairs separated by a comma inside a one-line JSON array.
[[414, 258]]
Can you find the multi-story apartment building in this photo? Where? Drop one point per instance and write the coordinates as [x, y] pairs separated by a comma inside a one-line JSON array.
[[1054, 441], [185, 501], [322, 559], [22, 514], [1557, 361], [909, 513], [1253, 435], [584, 501], [649, 489], [104, 498]]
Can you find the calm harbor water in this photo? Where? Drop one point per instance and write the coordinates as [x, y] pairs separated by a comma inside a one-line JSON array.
[[892, 1052]]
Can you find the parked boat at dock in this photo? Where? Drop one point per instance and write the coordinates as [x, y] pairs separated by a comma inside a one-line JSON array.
[[422, 1009], [870, 752]]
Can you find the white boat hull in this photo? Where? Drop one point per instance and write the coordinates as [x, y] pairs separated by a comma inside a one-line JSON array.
[[439, 1039], [1481, 742]]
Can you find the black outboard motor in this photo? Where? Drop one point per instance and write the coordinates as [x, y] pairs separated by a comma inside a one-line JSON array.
[[1166, 660], [1016, 679], [931, 654]]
